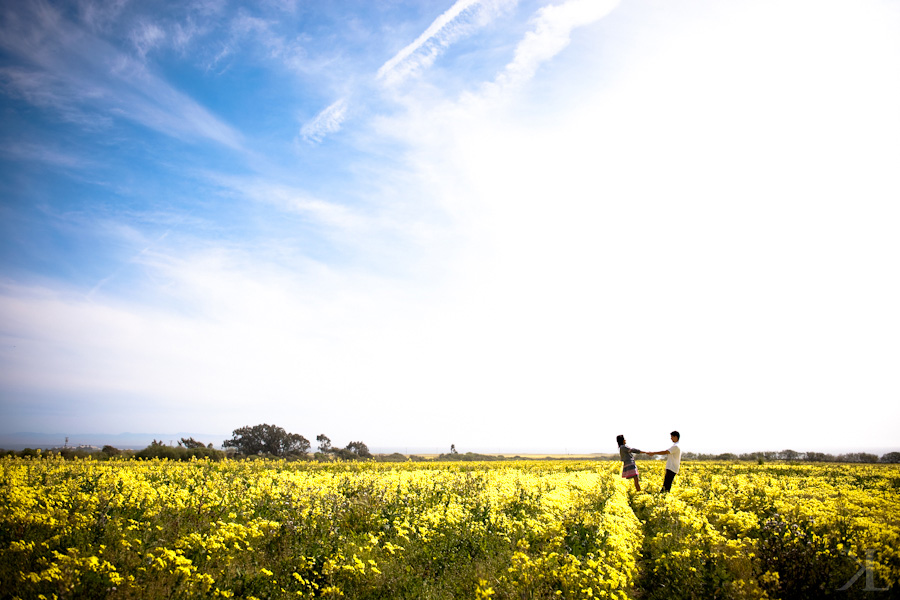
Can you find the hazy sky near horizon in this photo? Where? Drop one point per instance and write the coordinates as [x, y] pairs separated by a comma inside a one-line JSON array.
[[499, 224]]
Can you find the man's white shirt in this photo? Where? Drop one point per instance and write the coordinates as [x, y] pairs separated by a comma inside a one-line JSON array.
[[673, 459]]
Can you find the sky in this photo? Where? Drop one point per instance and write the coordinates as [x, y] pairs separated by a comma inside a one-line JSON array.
[[504, 225]]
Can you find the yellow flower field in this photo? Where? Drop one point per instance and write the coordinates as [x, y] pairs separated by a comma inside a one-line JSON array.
[[526, 529]]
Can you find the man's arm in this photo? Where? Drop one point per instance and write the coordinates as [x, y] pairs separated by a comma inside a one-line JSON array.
[[660, 452]]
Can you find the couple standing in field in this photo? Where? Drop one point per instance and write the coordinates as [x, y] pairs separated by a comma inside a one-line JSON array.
[[630, 470]]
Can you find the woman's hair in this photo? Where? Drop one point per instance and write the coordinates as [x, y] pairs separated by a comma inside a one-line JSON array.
[[620, 439]]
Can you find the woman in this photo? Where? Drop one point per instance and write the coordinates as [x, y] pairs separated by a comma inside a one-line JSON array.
[[629, 469]]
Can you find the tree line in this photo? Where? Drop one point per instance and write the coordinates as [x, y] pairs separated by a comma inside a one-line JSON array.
[[264, 440], [256, 441], [794, 456], [271, 440]]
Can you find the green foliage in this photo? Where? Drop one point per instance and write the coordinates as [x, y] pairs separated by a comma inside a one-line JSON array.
[[469, 457], [792, 456], [397, 457], [324, 443], [353, 451], [859, 457], [80, 453], [809, 564], [157, 449], [359, 449], [267, 439], [891, 457], [192, 443]]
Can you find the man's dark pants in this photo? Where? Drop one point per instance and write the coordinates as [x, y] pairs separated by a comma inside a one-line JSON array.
[[667, 482]]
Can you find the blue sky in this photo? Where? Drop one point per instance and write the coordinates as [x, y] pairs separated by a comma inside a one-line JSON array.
[[503, 225]]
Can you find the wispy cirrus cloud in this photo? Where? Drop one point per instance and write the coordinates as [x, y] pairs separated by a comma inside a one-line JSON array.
[[99, 15], [326, 122], [551, 33], [30, 151], [146, 37], [461, 19], [548, 33], [703, 209], [383, 220], [291, 199], [260, 36], [457, 21], [48, 91], [84, 79]]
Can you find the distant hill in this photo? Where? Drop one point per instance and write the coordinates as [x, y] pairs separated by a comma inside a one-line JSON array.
[[137, 441], [122, 441]]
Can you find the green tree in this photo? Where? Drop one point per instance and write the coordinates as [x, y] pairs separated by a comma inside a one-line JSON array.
[[891, 457], [324, 443], [858, 457], [789, 455], [819, 457], [353, 451], [267, 439], [158, 449], [191, 443], [359, 449]]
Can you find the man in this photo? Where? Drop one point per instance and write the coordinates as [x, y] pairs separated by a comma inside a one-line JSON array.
[[673, 460]]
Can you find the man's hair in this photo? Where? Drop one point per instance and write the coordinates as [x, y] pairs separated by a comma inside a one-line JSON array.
[[676, 434], [620, 439]]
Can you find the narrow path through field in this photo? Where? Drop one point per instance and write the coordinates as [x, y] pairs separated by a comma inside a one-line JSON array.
[[644, 585]]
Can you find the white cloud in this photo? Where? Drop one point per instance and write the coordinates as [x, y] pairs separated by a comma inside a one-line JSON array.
[[146, 37], [288, 51], [208, 8], [384, 227], [85, 79], [704, 230], [47, 91], [700, 235], [286, 6], [326, 215], [326, 122], [184, 33], [99, 15], [48, 154], [428, 35], [245, 25], [271, 344], [551, 34], [456, 22]]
